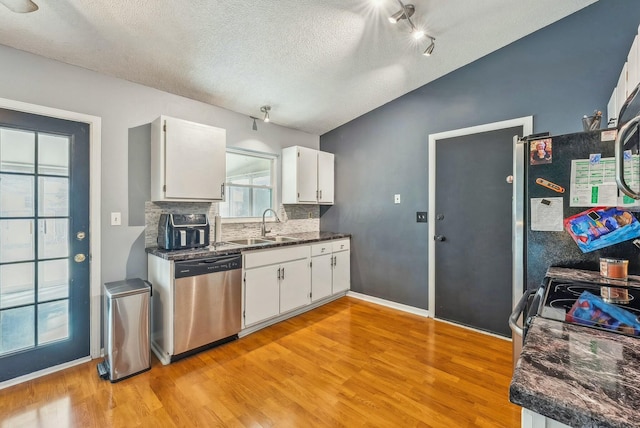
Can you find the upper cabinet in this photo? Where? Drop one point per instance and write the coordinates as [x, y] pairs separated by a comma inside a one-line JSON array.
[[188, 161], [307, 176], [627, 82]]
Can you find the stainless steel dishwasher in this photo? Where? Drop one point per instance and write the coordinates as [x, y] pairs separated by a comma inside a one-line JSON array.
[[207, 304]]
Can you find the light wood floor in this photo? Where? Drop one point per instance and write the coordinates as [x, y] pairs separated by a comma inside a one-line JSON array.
[[349, 363]]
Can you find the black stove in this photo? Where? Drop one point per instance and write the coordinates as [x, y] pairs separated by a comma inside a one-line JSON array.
[[603, 301]]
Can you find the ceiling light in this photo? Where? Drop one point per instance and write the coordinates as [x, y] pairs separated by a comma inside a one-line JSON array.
[[255, 125], [265, 110], [20, 6], [405, 13], [429, 50], [418, 34]]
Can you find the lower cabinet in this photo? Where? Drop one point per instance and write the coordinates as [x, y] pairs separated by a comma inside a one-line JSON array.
[[275, 281], [330, 268]]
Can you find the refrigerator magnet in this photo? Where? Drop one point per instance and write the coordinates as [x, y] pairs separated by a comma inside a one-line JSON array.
[[540, 151], [549, 185]]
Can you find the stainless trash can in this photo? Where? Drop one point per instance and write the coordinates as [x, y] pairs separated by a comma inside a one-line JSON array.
[[126, 329]]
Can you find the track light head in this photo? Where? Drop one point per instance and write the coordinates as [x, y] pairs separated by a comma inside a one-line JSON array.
[[429, 50], [265, 110], [406, 12], [20, 6]]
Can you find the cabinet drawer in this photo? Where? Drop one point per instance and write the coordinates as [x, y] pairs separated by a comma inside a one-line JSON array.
[[275, 256], [322, 248], [341, 245]]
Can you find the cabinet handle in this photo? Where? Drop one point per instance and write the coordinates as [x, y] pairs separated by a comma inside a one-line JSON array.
[[320, 194], [222, 191], [278, 273], [335, 260], [282, 273]]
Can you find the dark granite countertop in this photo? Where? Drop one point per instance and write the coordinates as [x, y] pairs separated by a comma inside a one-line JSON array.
[[579, 376], [225, 248]]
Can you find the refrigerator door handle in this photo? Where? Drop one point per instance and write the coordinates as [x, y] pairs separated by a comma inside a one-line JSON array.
[[621, 139]]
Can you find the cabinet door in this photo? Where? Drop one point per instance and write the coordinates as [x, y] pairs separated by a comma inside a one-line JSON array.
[[195, 160], [261, 291], [307, 175], [325, 177], [321, 273], [295, 285], [341, 271]]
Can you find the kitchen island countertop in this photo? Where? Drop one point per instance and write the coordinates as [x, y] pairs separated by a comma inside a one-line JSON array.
[[225, 248], [579, 376]]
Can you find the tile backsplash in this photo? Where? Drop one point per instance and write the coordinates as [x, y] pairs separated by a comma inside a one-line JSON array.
[[295, 218]]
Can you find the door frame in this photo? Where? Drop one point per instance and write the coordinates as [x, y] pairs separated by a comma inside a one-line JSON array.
[[95, 132], [527, 128]]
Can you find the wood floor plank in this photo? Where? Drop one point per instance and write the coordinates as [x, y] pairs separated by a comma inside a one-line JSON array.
[[345, 364]]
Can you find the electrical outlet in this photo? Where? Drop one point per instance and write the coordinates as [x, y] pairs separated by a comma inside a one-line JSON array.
[[421, 217], [396, 198], [116, 219]]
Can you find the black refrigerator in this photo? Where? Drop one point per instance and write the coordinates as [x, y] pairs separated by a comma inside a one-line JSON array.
[[564, 176]]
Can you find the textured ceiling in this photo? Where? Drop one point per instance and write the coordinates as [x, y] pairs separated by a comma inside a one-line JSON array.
[[318, 63]]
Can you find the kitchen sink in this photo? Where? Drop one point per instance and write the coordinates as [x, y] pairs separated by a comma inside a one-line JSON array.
[[280, 238], [250, 241]]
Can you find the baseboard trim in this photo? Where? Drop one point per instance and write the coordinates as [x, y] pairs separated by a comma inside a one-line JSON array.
[[390, 304], [43, 372], [508, 339]]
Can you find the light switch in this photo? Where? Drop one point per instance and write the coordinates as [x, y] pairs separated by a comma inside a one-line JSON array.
[[116, 219], [396, 199]]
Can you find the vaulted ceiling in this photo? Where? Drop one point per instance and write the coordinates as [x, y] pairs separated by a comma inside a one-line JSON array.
[[317, 63]]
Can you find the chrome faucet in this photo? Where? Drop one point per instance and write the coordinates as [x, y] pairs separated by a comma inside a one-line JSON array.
[[263, 230]]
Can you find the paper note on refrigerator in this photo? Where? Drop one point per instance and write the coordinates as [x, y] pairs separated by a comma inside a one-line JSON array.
[[547, 214], [593, 182]]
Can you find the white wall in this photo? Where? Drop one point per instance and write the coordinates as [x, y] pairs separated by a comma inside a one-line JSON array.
[[123, 106]]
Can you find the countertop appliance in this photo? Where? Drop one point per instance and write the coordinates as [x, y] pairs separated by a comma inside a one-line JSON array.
[[548, 181], [181, 231], [207, 304]]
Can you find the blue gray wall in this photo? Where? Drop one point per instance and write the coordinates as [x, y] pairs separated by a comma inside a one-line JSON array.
[[556, 74]]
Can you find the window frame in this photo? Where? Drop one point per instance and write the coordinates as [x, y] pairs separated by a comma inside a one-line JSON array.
[[274, 184]]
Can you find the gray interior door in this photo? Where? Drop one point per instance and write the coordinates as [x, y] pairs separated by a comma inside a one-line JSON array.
[[473, 256]]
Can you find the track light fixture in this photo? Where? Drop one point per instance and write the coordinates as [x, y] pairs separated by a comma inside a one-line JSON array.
[[429, 50], [20, 6], [405, 13], [255, 125], [265, 110]]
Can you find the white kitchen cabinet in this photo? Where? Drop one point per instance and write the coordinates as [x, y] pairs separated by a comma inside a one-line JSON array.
[[621, 89], [612, 113], [261, 291], [307, 176], [326, 172], [531, 419], [330, 268], [275, 281], [188, 161], [295, 285]]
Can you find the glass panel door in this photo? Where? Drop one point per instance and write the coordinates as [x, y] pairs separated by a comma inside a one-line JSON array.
[[44, 263]]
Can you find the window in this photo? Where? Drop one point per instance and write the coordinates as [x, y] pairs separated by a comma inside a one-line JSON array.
[[249, 184]]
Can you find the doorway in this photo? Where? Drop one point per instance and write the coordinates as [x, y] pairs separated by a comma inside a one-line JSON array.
[[470, 211], [47, 284]]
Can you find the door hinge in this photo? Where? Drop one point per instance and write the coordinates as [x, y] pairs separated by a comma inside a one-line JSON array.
[[244, 314], [310, 295], [310, 264], [245, 278], [164, 187]]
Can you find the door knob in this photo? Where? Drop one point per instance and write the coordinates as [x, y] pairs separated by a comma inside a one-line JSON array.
[[440, 217], [79, 258], [439, 238]]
